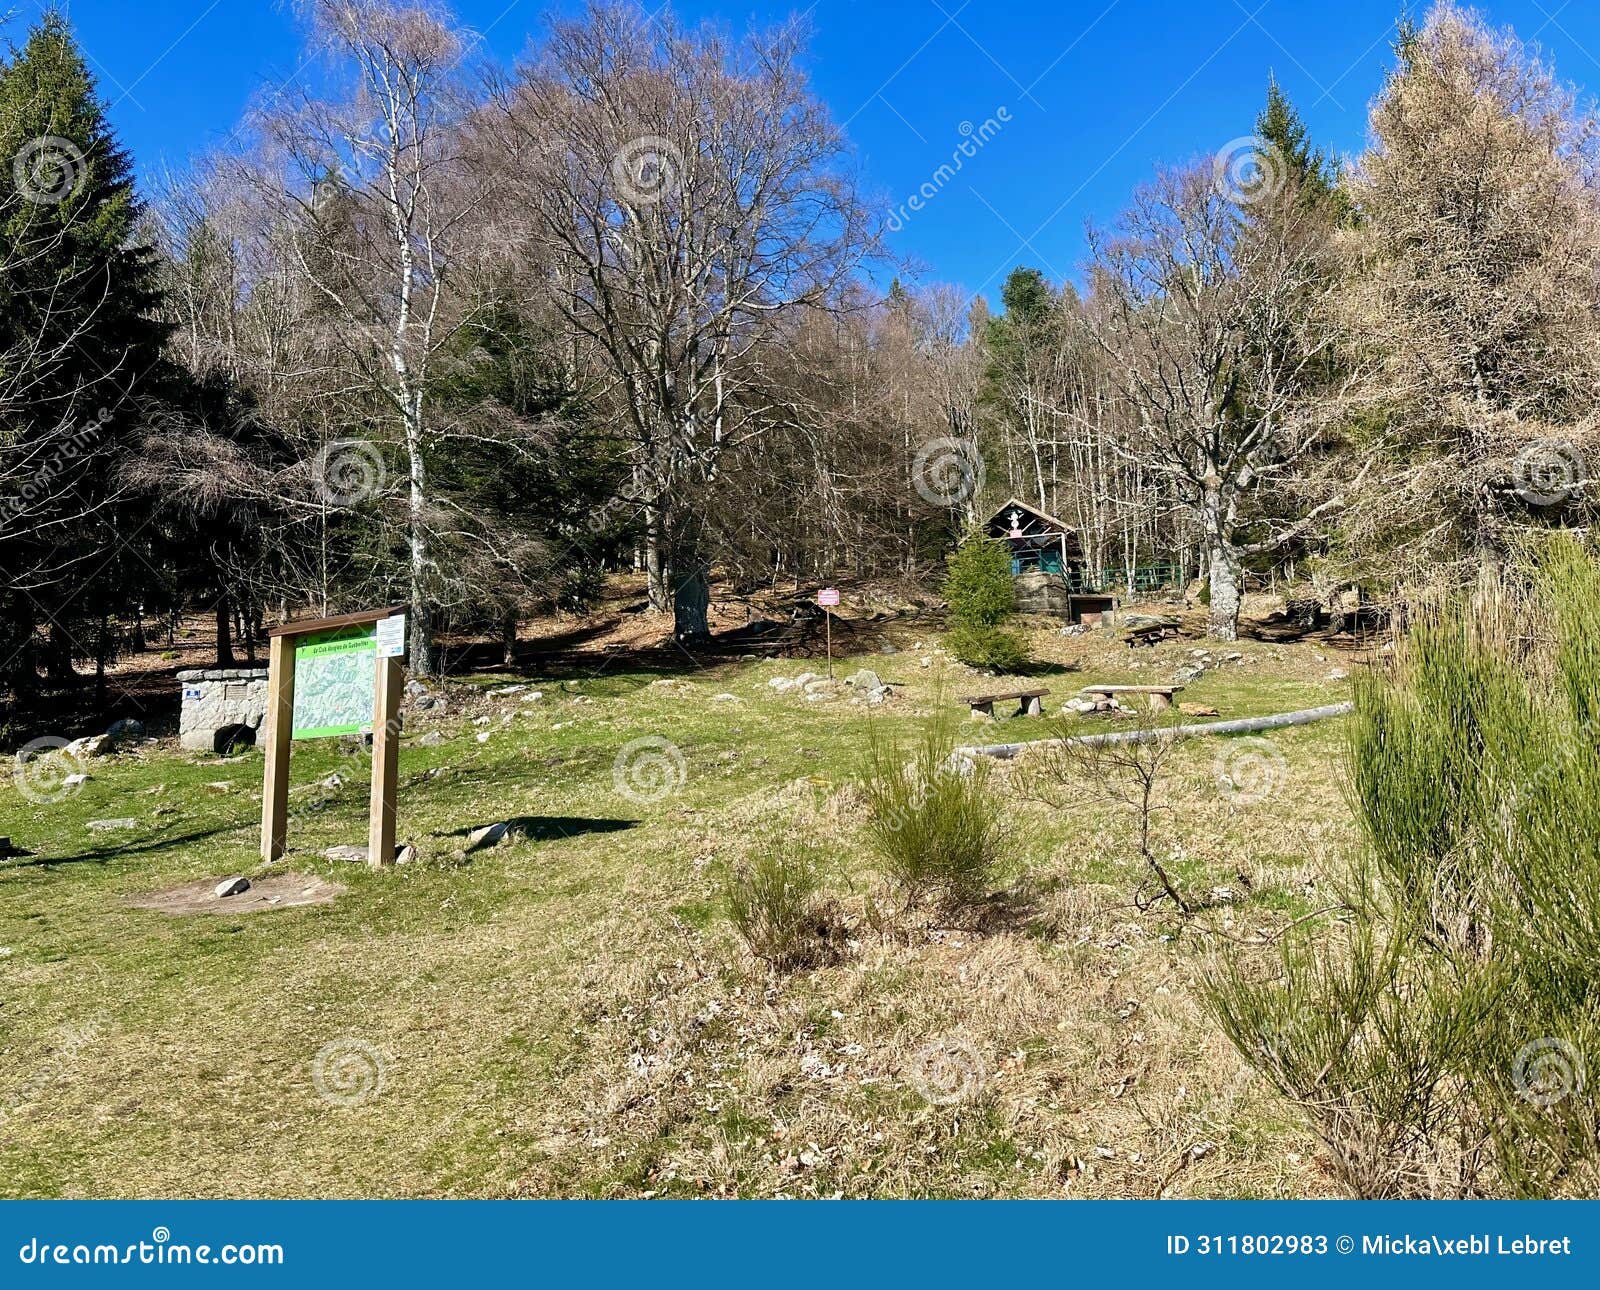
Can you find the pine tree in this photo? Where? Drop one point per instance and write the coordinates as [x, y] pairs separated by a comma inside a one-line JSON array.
[[78, 350], [1313, 171]]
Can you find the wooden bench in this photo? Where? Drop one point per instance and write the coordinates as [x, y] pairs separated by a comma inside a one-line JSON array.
[[1160, 695], [1030, 701]]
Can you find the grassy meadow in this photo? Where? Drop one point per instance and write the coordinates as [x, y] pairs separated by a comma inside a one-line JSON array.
[[568, 1012]]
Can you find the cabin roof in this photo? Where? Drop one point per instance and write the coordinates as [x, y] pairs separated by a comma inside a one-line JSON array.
[[1017, 504]]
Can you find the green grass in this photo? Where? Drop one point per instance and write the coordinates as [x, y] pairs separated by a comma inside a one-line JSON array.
[[505, 992]]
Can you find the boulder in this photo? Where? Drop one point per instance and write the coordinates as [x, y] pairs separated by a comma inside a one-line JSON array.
[[107, 826], [356, 855], [865, 679], [126, 729], [488, 835], [92, 746], [231, 886]]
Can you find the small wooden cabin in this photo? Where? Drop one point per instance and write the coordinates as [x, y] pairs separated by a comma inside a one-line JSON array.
[[1047, 562], [1038, 541]]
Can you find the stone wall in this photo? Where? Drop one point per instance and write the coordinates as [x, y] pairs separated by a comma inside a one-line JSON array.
[[220, 705], [1046, 593], [1041, 593]]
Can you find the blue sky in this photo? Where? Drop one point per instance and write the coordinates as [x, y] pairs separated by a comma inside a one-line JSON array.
[[1098, 93]]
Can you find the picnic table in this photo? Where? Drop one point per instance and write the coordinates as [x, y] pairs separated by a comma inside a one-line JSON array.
[[1031, 702], [1160, 695], [1149, 634]]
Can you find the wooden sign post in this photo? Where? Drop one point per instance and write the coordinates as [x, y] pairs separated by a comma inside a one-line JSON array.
[[317, 687], [828, 597]]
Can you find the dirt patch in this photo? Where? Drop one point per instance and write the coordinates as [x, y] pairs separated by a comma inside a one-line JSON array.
[[280, 891]]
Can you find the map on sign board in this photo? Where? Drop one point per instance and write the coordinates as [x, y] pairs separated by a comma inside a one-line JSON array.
[[334, 676], [392, 636]]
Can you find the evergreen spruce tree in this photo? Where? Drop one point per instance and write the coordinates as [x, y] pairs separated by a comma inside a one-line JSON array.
[[79, 349], [1313, 171]]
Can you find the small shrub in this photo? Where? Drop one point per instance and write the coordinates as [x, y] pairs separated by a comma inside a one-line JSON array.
[[982, 598], [992, 648], [1064, 773], [932, 820], [1439, 1043], [775, 903]]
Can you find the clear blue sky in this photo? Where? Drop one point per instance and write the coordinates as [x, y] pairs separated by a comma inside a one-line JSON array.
[[1099, 91]]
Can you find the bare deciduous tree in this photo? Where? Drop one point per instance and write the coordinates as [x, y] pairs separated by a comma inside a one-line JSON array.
[[1220, 329], [688, 197]]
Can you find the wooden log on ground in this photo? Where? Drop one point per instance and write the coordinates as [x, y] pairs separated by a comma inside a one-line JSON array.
[[1244, 725]]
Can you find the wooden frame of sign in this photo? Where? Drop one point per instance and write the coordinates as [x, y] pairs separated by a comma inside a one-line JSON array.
[[279, 731]]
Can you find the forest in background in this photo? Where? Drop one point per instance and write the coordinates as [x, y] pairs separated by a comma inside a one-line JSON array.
[[467, 338]]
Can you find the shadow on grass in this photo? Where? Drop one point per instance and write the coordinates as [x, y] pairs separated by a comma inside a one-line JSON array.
[[99, 855], [539, 828], [1051, 669]]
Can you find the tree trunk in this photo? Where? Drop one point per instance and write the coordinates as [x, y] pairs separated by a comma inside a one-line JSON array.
[[1224, 577], [508, 637], [224, 633], [691, 600], [421, 626], [655, 567], [58, 658]]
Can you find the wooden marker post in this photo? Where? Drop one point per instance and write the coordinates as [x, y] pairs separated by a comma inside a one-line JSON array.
[[334, 707], [385, 761], [827, 598], [278, 725]]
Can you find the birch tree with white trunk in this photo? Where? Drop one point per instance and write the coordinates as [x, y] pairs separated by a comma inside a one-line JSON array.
[[365, 186]]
